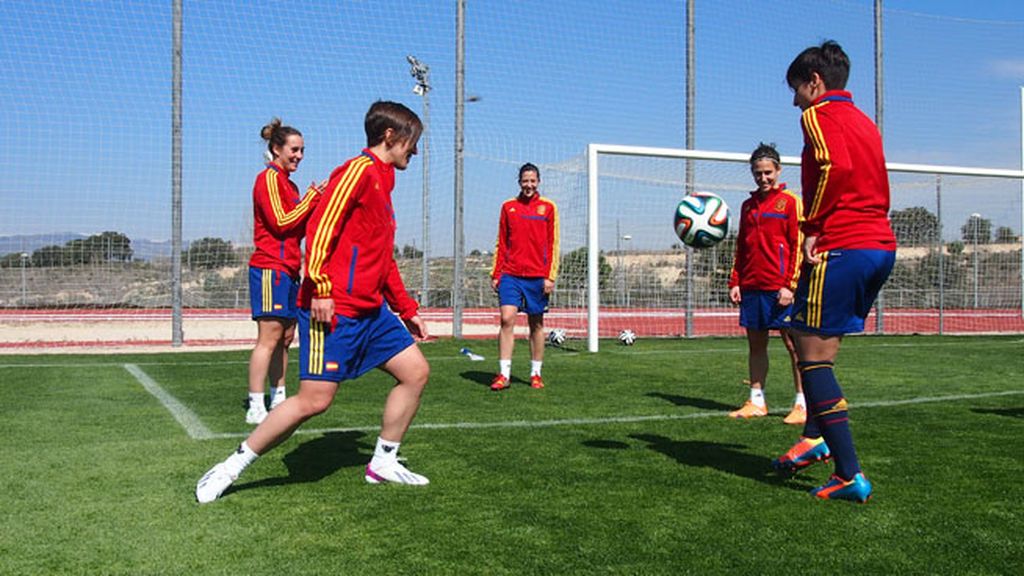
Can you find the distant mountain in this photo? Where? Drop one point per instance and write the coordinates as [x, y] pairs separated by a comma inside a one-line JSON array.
[[142, 248], [32, 242]]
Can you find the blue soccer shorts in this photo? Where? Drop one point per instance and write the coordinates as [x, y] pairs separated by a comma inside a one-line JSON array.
[[272, 294], [760, 310], [526, 294], [835, 295], [353, 347]]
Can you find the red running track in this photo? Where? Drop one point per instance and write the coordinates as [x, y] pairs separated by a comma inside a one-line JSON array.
[[665, 322]]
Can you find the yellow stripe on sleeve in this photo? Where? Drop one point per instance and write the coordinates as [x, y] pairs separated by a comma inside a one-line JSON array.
[[325, 233], [821, 155], [556, 251], [280, 216]]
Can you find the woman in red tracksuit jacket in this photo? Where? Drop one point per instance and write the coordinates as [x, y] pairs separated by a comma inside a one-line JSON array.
[[764, 276], [279, 223], [347, 307]]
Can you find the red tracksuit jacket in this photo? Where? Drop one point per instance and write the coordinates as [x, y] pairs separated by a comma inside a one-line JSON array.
[[350, 241], [845, 183], [768, 248], [279, 220], [528, 238]]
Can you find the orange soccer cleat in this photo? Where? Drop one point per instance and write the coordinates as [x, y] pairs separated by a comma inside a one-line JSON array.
[[797, 416], [749, 410]]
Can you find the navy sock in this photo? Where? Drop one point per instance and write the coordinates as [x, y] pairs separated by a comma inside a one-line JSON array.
[[827, 407]]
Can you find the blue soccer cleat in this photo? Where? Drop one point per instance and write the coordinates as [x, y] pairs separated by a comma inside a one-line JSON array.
[[804, 453], [856, 490]]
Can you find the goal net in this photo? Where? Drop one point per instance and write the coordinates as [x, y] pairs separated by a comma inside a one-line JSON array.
[[958, 266]]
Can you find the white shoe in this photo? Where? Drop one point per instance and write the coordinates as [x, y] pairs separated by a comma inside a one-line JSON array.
[[394, 472], [255, 415], [213, 484]]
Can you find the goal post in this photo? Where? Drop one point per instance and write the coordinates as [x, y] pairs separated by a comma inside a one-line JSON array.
[[972, 300]]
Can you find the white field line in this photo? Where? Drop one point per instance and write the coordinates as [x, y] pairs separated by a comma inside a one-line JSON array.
[[616, 419], [195, 428], [187, 418]]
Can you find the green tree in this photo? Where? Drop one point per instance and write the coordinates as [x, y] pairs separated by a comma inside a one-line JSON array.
[[976, 230], [14, 260], [98, 248], [409, 251], [915, 226], [210, 254], [49, 256], [573, 270], [110, 247], [1005, 235]]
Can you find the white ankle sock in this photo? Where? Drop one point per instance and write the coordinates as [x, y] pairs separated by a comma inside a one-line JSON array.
[[505, 366], [257, 399], [240, 459], [535, 366], [385, 452], [757, 396]]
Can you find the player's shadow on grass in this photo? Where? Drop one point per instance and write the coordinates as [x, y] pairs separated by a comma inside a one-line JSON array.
[[1008, 412], [315, 460], [567, 348], [727, 458], [701, 403], [485, 378]]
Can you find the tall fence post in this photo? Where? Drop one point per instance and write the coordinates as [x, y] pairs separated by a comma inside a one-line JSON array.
[[177, 331]]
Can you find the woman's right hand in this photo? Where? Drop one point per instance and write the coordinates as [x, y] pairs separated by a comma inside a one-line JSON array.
[[322, 310]]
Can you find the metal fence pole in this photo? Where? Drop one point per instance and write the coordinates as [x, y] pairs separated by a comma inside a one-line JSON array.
[[421, 72], [460, 73], [177, 332], [941, 256], [880, 123], [691, 95]]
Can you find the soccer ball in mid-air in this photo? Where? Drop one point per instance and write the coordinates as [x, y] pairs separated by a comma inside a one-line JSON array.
[[702, 219], [556, 337], [627, 337]]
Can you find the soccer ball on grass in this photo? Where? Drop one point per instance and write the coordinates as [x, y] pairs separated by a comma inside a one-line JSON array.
[[556, 337], [627, 337]]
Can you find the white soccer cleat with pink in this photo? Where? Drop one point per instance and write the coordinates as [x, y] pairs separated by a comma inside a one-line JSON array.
[[396, 473]]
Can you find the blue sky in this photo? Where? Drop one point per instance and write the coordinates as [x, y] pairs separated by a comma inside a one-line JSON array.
[[88, 102]]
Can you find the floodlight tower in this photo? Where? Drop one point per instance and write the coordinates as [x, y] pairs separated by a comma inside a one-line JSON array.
[[976, 219], [421, 72]]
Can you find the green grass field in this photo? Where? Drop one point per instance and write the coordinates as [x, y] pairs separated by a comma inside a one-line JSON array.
[[624, 464]]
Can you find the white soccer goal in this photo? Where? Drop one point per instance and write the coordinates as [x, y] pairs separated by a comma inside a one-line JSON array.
[[959, 266]]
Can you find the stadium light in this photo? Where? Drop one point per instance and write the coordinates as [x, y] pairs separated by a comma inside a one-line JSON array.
[[977, 223], [24, 293], [421, 72], [626, 238], [619, 237]]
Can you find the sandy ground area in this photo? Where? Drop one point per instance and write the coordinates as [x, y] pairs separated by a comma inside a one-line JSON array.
[[122, 335]]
